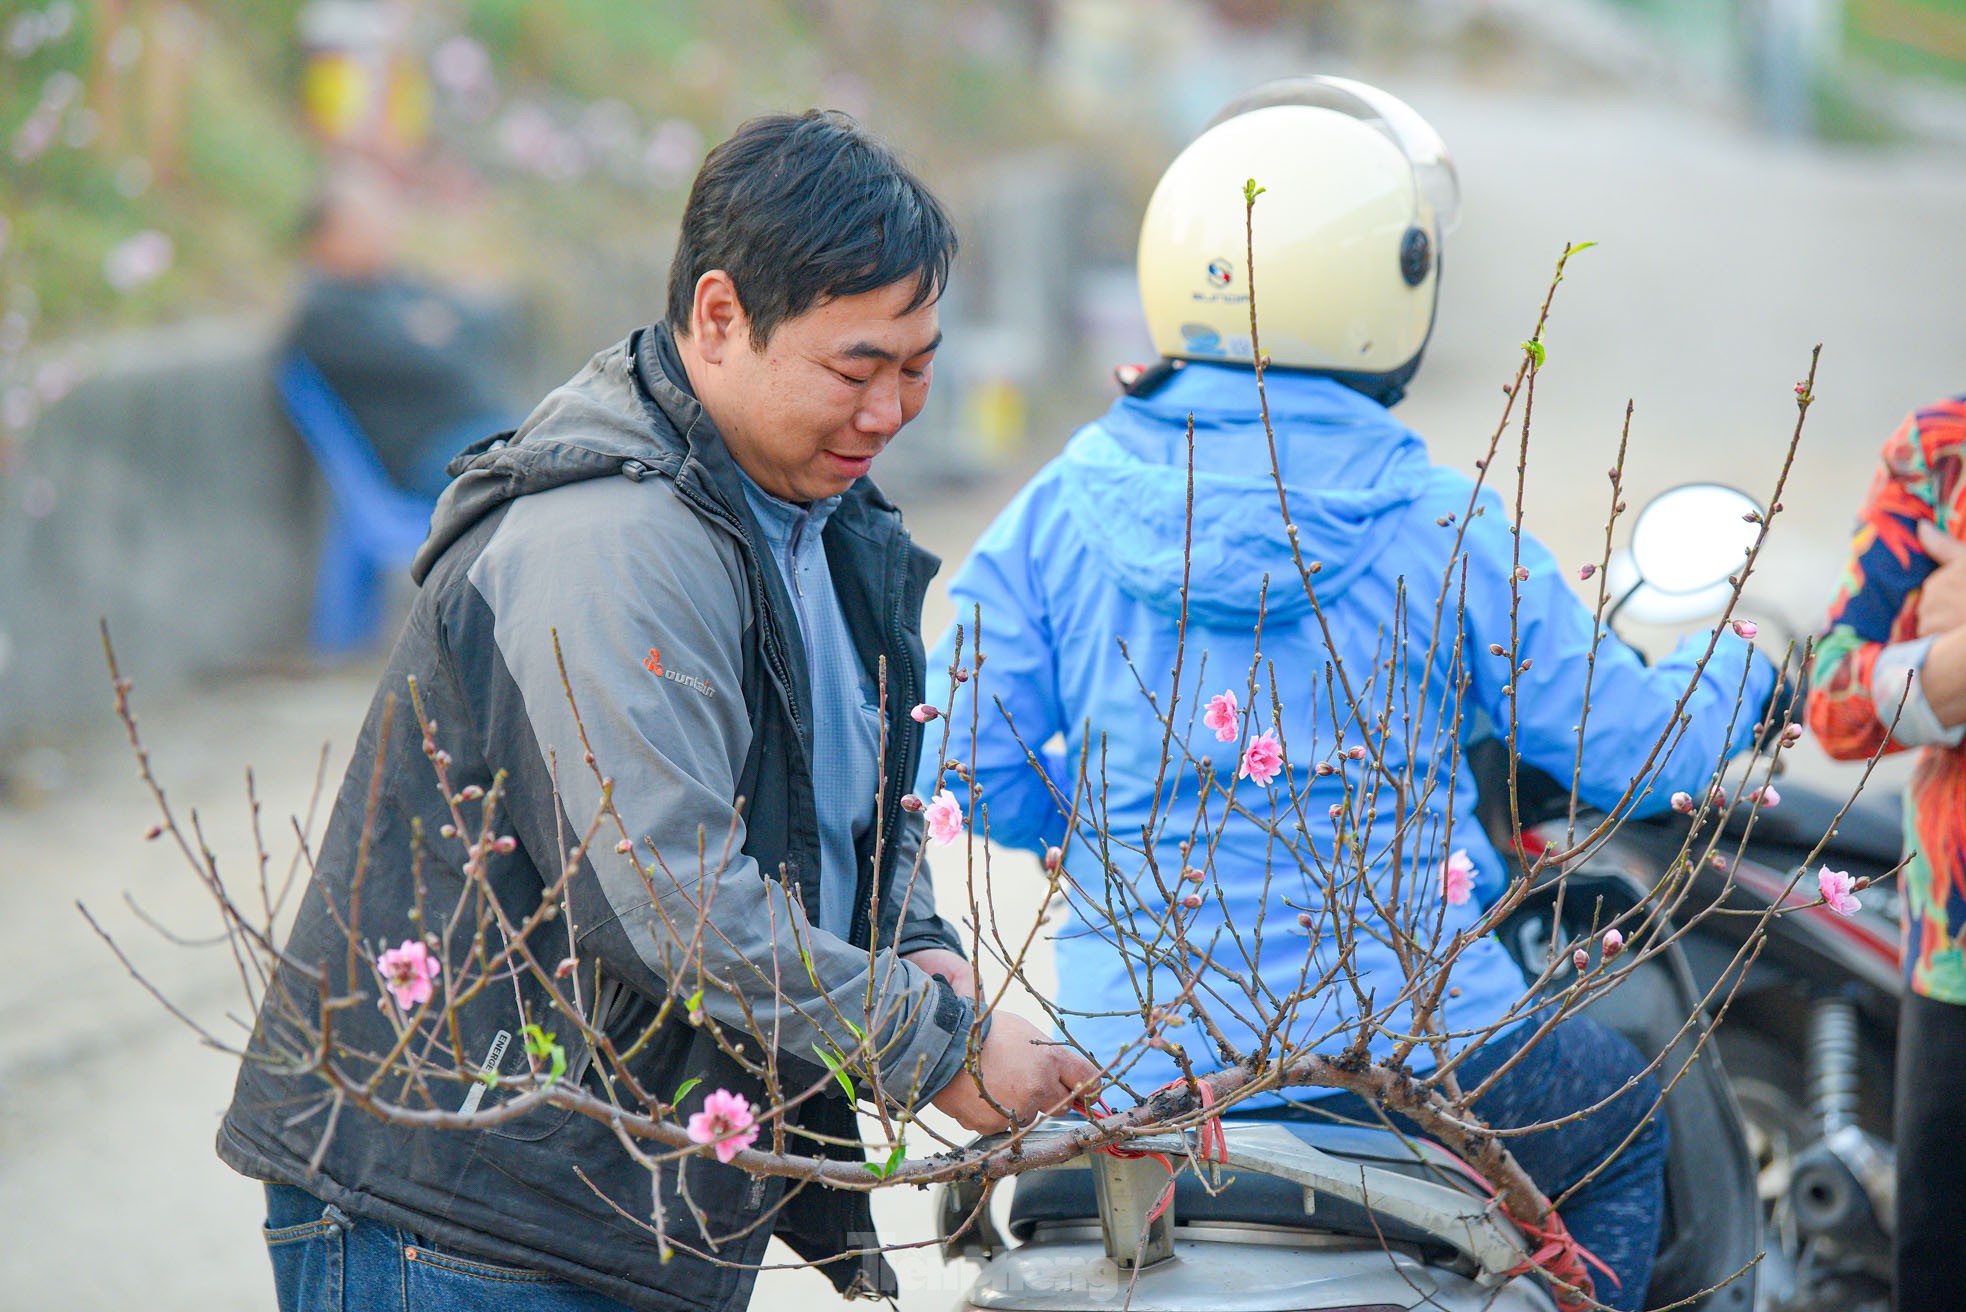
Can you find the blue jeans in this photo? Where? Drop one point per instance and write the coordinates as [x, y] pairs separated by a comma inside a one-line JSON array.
[[1616, 1216], [324, 1261]]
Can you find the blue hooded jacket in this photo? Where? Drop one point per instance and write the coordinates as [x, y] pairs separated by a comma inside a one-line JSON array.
[[1079, 588]]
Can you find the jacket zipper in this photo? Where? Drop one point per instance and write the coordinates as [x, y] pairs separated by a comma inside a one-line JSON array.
[[910, 748]]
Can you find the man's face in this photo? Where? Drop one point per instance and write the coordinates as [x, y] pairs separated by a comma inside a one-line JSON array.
[[806, 415]]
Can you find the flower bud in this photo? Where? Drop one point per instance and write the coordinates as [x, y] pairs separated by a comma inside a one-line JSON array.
[[448, 831], [1585, 572], [1191, 901], [1683, 803], [910, 802], [1355, 752], [1614, 943], [1325, 769], [1746, 629], [1053, 858], [1791, 735], [1522, 573], [923, 713], [564, 969], [153, 832], [1304, 919], [471, 792], [1581, 959], [1337, 809], [624, 847], [505, 843]]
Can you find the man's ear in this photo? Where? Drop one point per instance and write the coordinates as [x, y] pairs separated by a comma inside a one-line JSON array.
[[716, 316]]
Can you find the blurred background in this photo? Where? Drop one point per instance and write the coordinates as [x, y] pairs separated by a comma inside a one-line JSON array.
[[188, 189]]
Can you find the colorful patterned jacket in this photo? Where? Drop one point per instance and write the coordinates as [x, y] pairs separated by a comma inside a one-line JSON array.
[[1860, 680]]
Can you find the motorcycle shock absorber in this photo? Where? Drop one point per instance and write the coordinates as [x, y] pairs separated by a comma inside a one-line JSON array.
[[1841, 1185], [1832, 1063]]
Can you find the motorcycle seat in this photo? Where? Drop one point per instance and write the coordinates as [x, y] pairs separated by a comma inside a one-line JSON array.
[[1871, 833], [1065, 1195]]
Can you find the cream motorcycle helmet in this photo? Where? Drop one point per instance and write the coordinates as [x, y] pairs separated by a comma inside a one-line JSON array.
[[1357, 193]]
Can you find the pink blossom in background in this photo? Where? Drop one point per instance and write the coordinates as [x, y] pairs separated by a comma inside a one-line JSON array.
[[725, 1121], [1839, 889], [138, 260], [407, 972], [1262, 760], [945, 818], [1221, 716], [1457, 878]]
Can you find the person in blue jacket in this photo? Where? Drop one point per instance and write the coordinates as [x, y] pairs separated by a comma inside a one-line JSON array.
[[1097, 581]]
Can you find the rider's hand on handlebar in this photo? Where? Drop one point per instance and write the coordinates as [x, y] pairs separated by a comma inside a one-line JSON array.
[[1025, 1073]]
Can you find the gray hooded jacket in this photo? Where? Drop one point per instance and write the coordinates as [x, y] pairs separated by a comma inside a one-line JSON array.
[[611, 528]]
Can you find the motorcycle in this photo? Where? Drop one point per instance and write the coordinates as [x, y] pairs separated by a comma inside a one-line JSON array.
[[1779, 1172]]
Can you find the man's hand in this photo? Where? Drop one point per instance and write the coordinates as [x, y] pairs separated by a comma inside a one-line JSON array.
[[1026, 1074], [949, 966], [1942, 599]]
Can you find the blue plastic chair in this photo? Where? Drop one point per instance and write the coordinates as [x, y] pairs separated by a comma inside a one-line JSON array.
[[374, 525]]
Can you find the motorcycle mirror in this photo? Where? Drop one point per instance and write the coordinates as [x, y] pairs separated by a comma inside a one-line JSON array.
[[1684, 545]]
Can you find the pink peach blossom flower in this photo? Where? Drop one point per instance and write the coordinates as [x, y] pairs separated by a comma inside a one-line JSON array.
[[1221, 716], [725, 1121], [1262, 761], [407, 973], [945, 818], [1839, 889], [1457, 878]]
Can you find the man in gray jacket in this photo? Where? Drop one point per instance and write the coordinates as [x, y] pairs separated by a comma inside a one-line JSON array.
[[681, 543]]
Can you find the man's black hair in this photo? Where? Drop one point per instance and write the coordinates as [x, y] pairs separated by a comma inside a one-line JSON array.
[[804, 208]]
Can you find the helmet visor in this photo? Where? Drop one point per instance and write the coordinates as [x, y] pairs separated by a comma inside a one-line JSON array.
[[1399, 122]]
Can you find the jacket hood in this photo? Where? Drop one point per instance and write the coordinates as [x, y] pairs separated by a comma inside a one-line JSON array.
[[620, 414], [1347, 464]]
